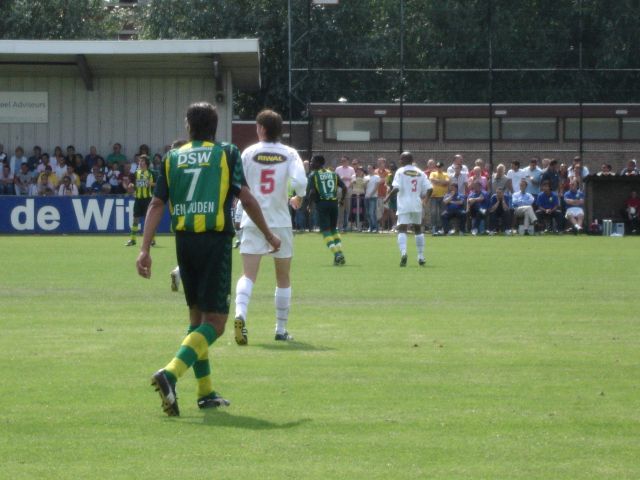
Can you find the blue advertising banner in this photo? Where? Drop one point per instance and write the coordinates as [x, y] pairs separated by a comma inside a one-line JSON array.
[[100, 214]]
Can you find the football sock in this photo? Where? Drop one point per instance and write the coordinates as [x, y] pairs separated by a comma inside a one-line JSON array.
[[134, 231], [402, 243], [420, 245], [202, 371], [283, 301], [337, 241], [194, 346], [328, 239], [244, 287]]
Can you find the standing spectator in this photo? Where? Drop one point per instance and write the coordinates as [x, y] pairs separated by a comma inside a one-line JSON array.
[[412, 187], [577, 168], [532, 176], [80, 167], [7, 180], [372, 180], [631, 210], [389, 216], [16, 160], [23, 180], [630, 170], [35, 158], [477, 205], [91, 157], [431, 167], [548, 206], [606, 170], [522, 203], [116, 155], [357, 198], [382, 172], [57, 151], [476, 176], [545, 164], [459, 177], [3, 155], [500, 180], [346, 173], [440, 182], [483, 168], [459, 161], [499, 212], [67, 187], [453, 203], [551, 176], [574, 199], [156, 165], [515, 174], [563, 173]]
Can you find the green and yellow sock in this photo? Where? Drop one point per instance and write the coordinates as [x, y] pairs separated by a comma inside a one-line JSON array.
[[328, 239], [202, 371], [134, 231], [194, 347], [337, 241]]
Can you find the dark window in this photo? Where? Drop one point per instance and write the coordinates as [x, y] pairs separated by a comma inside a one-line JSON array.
[[592, 129], [352, 129], [469, 128], [631, 129], [412, 128], [529, 129]]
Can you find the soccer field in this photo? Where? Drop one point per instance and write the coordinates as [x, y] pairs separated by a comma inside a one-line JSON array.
[[505, 357]]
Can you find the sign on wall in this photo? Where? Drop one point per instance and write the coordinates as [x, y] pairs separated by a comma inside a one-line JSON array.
[[108, 214], [24, 107]]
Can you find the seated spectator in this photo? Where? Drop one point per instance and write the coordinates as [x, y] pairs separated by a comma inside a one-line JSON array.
[[548, 208], [453, 204], [630, 170], [477, 205], [23, 180], [459, 161], [606, 170], [60, 167], [91, 178], [113, 177], [90, 159], [134, 163], [45, 185], [3, 155], [71, 173], [57, 152], [116, 155], [7, 180], [500, 180], [80, 167], [44, 162], [100, 186], [631, 210], [156, 165], [574, 199], [51, 177], [67, 187], [71, 154], [499, 213], [551, 176], [522, 203], [16, 160], [102, 166], [34, 159]]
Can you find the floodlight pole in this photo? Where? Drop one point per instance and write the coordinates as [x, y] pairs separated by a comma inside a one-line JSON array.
[[490, 38], [580, 80], [289, 50], [401, 145]]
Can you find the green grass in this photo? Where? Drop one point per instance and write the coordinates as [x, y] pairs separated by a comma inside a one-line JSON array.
[[504, 358]]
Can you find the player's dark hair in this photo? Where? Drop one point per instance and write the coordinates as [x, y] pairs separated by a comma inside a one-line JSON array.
[[406, 158], [272, 123], [317, 161], [202, 119]]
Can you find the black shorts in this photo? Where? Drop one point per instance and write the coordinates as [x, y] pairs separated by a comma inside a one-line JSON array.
[[327, 214], [205, 268], [140, 207]]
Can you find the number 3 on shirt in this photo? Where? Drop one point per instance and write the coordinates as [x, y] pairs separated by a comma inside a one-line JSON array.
[[267, 182]]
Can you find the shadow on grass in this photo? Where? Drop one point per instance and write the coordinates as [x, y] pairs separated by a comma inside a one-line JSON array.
[[292, 345], [219, 418]]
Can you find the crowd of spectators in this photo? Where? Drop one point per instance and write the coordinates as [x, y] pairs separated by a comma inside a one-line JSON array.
[[543, 196], [71, 172]]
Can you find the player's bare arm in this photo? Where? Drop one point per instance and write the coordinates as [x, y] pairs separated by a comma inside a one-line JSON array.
[[152, 220]]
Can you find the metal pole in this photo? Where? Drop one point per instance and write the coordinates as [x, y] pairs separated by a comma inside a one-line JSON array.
[[401, 76], [580, 80], [308, 90], [490, 38]]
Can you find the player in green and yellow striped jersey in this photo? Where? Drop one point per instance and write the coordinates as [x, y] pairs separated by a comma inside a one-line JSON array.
[[199, 181], [322, 189], [143, 191]]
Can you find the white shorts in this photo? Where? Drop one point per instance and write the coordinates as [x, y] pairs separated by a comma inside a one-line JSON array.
[[573, 212], [410, 218], [254, 243]]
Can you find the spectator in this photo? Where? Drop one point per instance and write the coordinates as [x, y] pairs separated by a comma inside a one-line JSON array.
[[551, 176], [357, 198], [51, 178], [44, 163], [16, 160], [57, 151], [574, 199], [113, 177], [60, 168], [606, 170], [483, 170], [80, 167], [346, 173], [563, 173], [71, 173], [431, 167], [458, 160], [477, 205], [476, 176], [116, 155], [67, 187], [630, 170], [515, 174], [372, 180], [71, 154], [144, 150], [459, 178], [100, 186], [532, 176], [631, 210], [91, 158], [156, 165], [45, 186], [7, 180], [453, 203], [23, 180], [577, 169], [545, 164], [382, 172], [3, 155], [440, 182], [102, 166], [500, 180], [499, 212], [522, 203], [548, 208], [34, 159], [91, 178]]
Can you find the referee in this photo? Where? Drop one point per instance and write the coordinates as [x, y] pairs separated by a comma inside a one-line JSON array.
[[199, 180]]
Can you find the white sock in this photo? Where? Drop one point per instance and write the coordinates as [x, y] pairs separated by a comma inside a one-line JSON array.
[[402, 243], [420, 246], [283, 301], [244, 287]]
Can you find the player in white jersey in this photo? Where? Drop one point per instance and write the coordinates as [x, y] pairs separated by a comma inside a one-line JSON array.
[[268, 167], [412, 187]]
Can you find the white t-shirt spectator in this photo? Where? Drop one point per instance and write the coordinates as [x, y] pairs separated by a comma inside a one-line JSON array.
[[515, 176], [371, 186], [345, 174]]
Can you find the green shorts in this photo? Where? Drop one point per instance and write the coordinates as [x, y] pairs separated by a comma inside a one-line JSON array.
[[327, 214], [205, 269]]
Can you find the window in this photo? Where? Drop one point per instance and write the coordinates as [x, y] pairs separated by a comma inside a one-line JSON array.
[[631, 129], [352, 129], [592, 129], [529, 129], [469, 128], [412, 128]]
